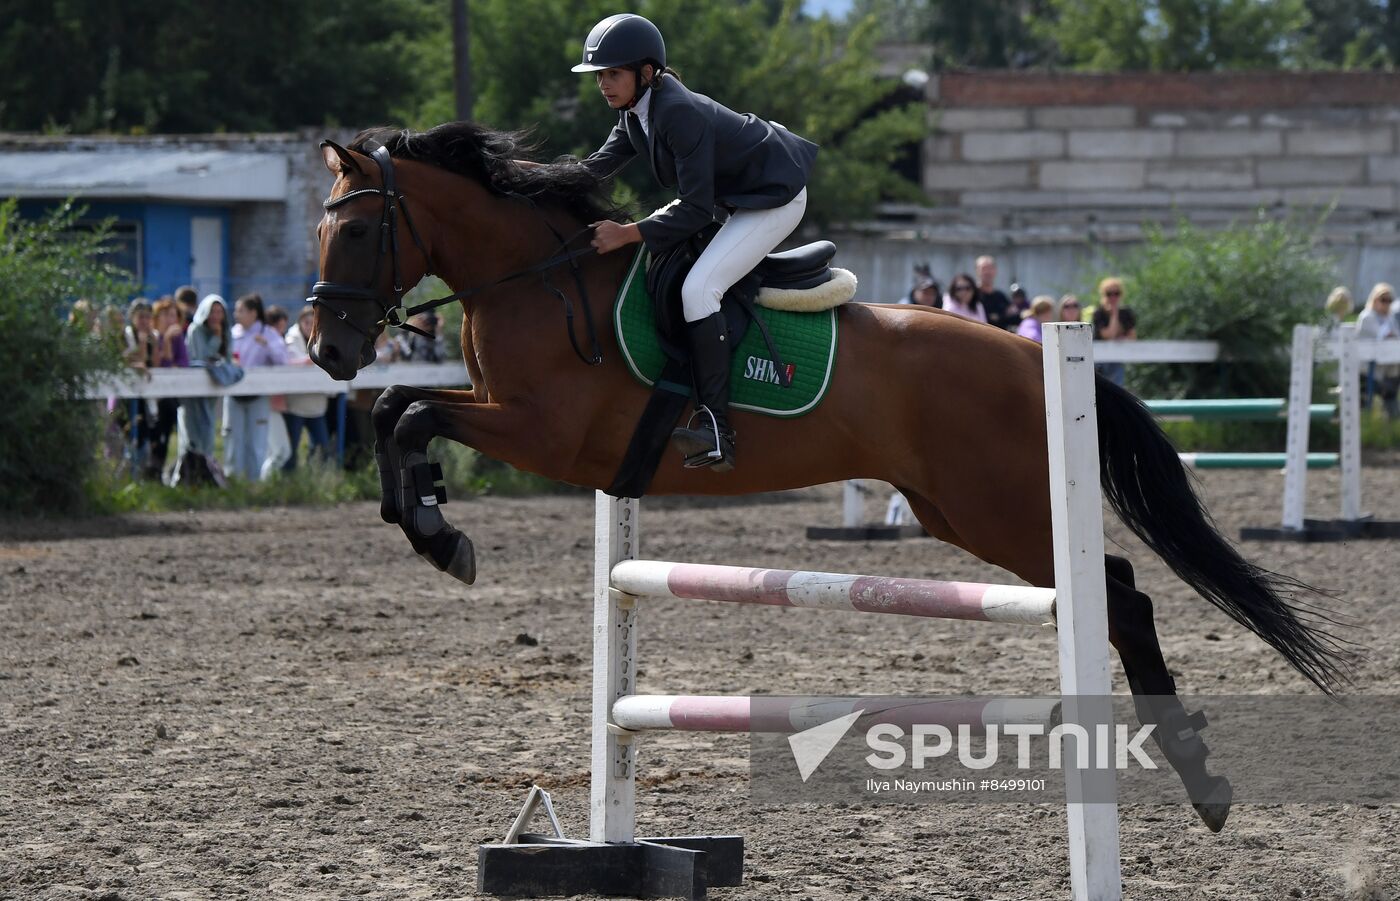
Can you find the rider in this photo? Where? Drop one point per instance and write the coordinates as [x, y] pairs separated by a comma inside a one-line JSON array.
[[720, 162]]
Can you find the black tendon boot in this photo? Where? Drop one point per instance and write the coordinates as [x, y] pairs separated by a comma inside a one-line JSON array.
[[707, 440]]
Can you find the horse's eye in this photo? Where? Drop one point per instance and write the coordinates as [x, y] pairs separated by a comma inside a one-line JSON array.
[[357, 229]]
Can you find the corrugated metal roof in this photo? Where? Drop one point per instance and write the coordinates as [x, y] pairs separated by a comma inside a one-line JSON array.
[[156, 174]]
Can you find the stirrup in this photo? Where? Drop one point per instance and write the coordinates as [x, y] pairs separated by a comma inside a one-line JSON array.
[[715, 455]]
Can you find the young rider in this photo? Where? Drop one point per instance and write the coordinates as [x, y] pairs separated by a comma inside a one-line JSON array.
[[754, 170]]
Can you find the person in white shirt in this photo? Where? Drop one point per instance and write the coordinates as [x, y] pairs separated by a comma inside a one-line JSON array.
[[1379, 322], [964, 299], [305, 411]]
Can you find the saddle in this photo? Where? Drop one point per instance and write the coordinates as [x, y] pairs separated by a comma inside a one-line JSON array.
[[799, 280]]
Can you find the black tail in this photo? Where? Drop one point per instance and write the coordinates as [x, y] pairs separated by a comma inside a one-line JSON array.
[[1152, 493]]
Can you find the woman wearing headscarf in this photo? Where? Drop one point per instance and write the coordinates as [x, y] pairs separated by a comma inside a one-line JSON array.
[[208, 340]]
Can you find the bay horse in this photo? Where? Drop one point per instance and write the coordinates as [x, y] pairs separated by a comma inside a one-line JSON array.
[[949, 411]]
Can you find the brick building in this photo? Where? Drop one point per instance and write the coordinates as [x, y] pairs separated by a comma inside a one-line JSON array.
[[1048, 171]]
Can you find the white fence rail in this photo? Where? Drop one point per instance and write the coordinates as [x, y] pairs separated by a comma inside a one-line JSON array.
[[263, 380]]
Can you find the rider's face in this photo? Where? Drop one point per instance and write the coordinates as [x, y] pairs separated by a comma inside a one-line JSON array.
[[617, 86]]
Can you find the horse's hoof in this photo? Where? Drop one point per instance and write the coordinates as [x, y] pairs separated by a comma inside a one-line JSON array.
[[462, 566], [389, 512], [1214, 808]]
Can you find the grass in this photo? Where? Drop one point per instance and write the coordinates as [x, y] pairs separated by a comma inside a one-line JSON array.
[[466, 474], [1377, 433]]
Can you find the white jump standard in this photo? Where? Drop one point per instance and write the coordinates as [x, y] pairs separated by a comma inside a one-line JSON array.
[[615, 862]]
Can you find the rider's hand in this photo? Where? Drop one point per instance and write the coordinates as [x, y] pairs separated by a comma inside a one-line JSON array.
[[609, 236]]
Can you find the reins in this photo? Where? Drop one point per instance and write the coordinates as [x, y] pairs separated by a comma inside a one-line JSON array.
[[396, 315]]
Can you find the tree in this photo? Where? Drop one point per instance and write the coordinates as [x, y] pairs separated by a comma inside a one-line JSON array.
[[992, 34], [48, 434], [1176, 35], [189, 66]]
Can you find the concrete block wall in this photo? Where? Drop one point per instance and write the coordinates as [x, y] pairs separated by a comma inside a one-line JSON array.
[[1005, 143], [1051, 171]]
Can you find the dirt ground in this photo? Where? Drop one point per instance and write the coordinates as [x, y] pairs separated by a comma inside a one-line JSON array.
[[290, 704]]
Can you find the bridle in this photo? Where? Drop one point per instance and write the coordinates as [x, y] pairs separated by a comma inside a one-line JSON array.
[[395, 315]]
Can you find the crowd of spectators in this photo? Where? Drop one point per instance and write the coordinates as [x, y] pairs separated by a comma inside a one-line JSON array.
[[980, 300], [261, 435]]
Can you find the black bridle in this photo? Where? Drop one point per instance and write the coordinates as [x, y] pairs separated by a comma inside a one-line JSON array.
[[395, 315]]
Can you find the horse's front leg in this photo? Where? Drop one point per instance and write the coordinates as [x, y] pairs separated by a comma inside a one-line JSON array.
[[387, 411], [512, 434]]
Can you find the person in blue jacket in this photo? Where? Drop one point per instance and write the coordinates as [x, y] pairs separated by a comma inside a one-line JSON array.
[[748, 172]]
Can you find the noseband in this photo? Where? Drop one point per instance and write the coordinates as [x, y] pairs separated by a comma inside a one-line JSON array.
[[395, 315]]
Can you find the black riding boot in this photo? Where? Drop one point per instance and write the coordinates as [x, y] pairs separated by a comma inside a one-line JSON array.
[[707, 440]]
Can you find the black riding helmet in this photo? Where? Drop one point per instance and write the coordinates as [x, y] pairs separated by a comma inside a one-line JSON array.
[[620, 41]]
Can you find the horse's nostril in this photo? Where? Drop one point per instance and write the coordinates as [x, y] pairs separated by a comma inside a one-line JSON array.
[[328, 352]]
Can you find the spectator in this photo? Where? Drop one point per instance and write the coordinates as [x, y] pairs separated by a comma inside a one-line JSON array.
[[1378, 322], [172, 353], [386, 349], [209, 339], [1113, 322], [279, 448], [80, 315], [416, 348], [1339, 305], [1040, 312], [1019, 303], [246, 417], [304, 411], [1069, 309], [996, 306], [141, 350], [925, 293], [963, 299], [140, 342], [188, 302]]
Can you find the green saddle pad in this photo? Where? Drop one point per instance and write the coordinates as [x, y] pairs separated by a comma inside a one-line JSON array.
[[806, 341]]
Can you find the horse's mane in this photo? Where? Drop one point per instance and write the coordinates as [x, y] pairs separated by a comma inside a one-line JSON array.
[[488, 156]]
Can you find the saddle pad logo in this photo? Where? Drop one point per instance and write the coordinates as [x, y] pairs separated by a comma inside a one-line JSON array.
[[762, 369]]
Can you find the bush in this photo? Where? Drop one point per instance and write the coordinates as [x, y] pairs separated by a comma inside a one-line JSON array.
[[49, 435], [1245, 286]]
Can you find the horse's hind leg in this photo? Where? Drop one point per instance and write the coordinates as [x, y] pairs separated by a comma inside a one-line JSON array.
[[1177, 733]]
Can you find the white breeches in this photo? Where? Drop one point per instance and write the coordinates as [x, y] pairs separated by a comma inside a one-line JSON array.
[[742, 242]]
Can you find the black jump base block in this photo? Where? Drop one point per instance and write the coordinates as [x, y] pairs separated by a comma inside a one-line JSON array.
[[1316, 530], [865, 533], [542, 866]]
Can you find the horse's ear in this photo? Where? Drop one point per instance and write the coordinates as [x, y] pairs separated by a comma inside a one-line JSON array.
[[338, 159]]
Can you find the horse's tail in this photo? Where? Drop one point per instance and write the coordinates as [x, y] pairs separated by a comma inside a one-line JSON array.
[[1152, 493]]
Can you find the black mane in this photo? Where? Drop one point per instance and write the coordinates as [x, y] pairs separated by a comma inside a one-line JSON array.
[[489, 156]]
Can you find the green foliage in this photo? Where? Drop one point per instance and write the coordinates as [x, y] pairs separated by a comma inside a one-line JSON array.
[[1146, 35], [753, 57], [466, 473], [187, 66], [48, 436], [1245, 286], [1176, 35]]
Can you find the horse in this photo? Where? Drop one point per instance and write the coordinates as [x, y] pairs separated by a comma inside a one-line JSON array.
[[972, 461]]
